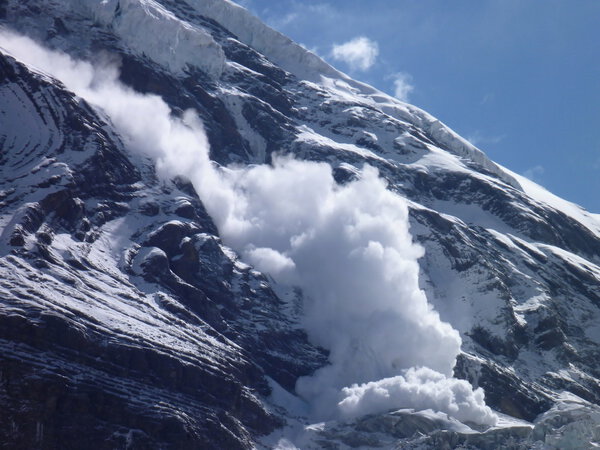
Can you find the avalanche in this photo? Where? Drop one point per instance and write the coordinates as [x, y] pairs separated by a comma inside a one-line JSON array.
[[116, 285], [295, 222]]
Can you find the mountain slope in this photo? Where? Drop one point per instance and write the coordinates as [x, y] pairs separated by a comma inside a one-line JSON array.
[[118, 294], [91, 300]]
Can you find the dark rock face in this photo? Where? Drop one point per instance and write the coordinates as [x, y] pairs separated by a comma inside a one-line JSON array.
[[504, 390], [125, 321]]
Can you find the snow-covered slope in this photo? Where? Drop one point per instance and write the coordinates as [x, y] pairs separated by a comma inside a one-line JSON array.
[[127, 322], [92, 307]]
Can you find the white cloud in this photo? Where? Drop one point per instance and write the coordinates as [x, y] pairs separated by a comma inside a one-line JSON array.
[[478, 138], [321, 9], [534, 173], [487, 98], [280, 22], [297, 13], [402, 85], [348, 247], [359, 53]]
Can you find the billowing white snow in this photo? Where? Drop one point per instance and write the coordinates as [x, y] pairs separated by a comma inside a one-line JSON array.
[[348, 247], [422, 389]]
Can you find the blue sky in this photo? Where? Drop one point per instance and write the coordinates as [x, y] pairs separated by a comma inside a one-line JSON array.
[[519, 78]]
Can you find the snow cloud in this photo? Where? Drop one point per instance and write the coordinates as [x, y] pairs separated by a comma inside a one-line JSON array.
[[402, 85], [422, 389], [371, 315], [359, 53], [348, 247]]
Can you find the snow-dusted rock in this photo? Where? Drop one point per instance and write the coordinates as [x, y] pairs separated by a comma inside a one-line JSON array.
[[119, 295]]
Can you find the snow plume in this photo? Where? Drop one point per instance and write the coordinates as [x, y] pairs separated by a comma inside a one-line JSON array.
[[348, 247], [145, 122], [420, 388]]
